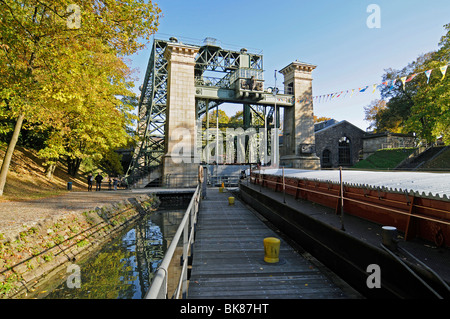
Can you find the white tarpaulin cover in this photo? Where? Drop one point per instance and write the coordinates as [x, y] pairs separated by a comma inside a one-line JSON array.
[[434, 183]]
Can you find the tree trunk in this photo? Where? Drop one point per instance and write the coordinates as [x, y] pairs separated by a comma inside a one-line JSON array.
[[69, 165], [50, 170], [9, 152], [73, 165]]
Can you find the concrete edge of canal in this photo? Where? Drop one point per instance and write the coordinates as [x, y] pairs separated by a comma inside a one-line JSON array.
[[29, 257], [346, 255]]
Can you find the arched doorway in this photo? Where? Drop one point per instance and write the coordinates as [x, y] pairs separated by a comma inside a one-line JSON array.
[[326, 158], [344, 151]]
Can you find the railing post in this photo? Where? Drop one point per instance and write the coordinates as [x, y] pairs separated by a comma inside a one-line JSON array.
[[409, 231], [342, 198], [284, 189], [163, 291], [158, 288], [185, 258]]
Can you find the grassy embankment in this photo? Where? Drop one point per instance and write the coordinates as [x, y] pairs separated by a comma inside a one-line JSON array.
[[384, 159], [440, 163], [26, 177]]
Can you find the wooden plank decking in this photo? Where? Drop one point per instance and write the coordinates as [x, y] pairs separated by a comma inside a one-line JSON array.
[[228, 258]]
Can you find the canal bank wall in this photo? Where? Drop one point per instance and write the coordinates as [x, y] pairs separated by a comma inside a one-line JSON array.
[[30, 255]]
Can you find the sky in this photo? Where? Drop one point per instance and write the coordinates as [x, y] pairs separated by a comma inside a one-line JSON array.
[[333, 35]]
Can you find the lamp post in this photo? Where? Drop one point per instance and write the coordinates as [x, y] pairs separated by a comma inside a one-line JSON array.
[[265, 136], [275, 140]]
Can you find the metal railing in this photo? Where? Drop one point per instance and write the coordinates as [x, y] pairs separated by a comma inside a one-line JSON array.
[[159, 285], [407, 207], [227, 180]]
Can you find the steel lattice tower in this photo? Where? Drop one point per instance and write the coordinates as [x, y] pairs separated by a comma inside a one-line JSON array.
[[220, 75]]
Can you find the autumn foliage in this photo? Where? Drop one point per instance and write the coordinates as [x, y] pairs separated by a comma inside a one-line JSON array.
[[63, 74]]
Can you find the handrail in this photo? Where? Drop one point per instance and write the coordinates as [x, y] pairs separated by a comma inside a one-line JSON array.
[[158, 288]]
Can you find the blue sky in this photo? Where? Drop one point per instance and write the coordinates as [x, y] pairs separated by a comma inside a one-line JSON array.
[[328, 33]]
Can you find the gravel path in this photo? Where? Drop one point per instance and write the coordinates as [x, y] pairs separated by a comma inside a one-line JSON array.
[[14, 215]]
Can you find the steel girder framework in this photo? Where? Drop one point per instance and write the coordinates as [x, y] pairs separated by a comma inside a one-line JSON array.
[[211, 58], [151, 116]]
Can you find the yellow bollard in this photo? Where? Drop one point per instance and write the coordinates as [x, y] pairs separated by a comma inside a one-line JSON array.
[[271, 250], [230, 200]]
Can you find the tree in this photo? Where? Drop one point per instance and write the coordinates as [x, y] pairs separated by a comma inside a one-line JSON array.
[[37, 50], [399, 101], [414, 104], [383, 118], [430, 115], [321, 119], [373, 113], [223, 118], [237, 119], [94, 120]]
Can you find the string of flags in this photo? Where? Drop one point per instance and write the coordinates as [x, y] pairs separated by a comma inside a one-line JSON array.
[[373, 87]]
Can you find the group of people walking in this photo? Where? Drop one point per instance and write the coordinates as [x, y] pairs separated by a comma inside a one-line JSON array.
[[98, 182]]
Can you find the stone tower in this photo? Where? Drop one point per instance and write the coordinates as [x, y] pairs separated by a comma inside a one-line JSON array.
[[298, 149], [180, 131]]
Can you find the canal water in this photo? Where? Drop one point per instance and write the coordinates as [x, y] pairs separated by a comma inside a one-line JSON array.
[[124, 267]]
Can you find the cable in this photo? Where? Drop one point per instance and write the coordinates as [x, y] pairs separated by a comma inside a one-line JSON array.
[[412, 272], [428, 268]]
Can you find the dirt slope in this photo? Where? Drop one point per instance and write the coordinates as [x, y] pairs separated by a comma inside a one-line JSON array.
[[26, 177]]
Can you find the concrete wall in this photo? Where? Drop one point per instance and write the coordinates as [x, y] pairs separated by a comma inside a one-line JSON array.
[[374, 142], [36, 253]]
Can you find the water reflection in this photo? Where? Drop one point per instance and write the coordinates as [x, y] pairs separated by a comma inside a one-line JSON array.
[[124, 268]]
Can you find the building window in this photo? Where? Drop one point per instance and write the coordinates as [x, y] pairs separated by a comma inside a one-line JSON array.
[[326, 158], [290, 88], [344, 151]]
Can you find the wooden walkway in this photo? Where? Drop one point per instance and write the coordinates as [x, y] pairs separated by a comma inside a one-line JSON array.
[[228, 258]]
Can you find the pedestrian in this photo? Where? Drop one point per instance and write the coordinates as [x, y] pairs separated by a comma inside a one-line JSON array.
[[98, 179], [90, 180], [115, 182], [109, 182]]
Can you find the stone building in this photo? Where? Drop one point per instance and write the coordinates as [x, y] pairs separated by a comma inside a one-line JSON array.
[[338, 143], [377, 141]]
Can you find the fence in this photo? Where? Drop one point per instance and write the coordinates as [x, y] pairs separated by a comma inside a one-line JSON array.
[[414, 214], [185, 232]]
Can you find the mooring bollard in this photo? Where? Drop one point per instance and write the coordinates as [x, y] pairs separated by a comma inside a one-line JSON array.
[[271, 250], [389, 237], [230, 200]]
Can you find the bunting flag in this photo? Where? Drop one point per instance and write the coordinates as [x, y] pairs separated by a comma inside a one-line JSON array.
[[404, 82], [443, 70], [411, 77], [392, 84], [428, 73], [386, 84]]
